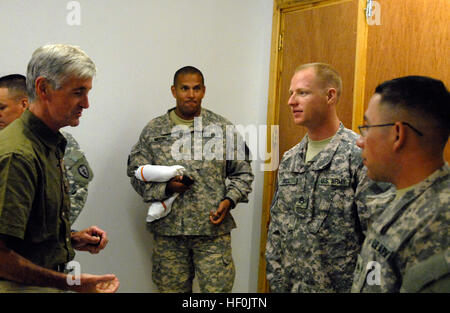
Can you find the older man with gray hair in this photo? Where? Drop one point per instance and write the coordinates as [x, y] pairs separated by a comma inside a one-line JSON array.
[[13, 102], [36, 242]]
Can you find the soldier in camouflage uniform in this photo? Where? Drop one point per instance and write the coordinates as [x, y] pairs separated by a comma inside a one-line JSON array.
[[407, 246], [194, 238], [78, 173], [318, 215], [13, 102], [13, 98]]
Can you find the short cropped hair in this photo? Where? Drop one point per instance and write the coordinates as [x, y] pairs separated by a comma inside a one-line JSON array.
[[326, 75], [57, 63], [187, 70], [423, 97], [15, 83]]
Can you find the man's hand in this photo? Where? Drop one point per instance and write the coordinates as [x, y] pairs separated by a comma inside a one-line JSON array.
[[92, 239], [174, 185], [96, 284], [217, 217]]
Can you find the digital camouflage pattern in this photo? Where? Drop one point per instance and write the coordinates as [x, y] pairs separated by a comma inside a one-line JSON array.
[[78, 173], [190, 210], [213, 261], [318, 217], [409, 240], [186, 239]]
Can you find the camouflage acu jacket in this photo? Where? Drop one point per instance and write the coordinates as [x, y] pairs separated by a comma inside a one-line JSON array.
[[318, 217], [190, 210], [78, 173], [407, 247]]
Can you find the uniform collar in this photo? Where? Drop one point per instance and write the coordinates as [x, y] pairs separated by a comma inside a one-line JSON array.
[[42, 131], [390, 215], [324, 157], [168, 126]]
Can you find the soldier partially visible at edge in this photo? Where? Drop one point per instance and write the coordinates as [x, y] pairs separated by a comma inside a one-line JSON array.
[[194, 239], [407, 125], [318, 215], [79, 174], [13, 102], [36, 241]]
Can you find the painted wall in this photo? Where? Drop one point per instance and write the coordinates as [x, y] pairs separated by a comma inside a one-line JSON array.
[[137, 46]]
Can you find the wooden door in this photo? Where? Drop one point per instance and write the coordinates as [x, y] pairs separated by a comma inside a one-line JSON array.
[[324, 34], [413, 38], [315, 31]]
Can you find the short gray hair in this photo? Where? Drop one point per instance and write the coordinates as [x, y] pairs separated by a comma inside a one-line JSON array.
[[57, 63]]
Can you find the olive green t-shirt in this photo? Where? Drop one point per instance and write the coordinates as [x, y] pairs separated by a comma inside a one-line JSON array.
[[34, 200]]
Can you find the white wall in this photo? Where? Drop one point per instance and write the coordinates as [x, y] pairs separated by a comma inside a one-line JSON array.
[[137, 47]]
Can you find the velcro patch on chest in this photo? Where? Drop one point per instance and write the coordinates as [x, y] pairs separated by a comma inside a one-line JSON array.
[[289, 181], [334, 181], [161, 138], [381, 249]]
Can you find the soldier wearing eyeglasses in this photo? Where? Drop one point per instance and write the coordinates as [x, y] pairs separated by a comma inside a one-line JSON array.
[[403, 141]]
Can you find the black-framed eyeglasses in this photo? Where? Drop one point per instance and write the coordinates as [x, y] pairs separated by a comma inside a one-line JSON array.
[[363, 128]]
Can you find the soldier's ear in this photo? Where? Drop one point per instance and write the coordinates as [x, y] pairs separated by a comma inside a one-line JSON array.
[[332, 95], [24, 102], [400, 136]]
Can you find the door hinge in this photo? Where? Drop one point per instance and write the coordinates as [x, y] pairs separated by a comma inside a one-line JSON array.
[[368, 10], [280, 42]]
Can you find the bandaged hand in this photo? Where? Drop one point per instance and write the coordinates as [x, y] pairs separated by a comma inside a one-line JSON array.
[[158, 173], [160, 209]]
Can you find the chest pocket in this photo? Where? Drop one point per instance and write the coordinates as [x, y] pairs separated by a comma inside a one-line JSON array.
[[382, 246], [360, 274], [318, 215], [180, 150], [288, 189], [168, 150], [373, 266], [295, 197], [330, 195]]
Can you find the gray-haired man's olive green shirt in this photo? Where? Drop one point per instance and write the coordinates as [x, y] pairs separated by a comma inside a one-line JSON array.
[[34, 200]]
